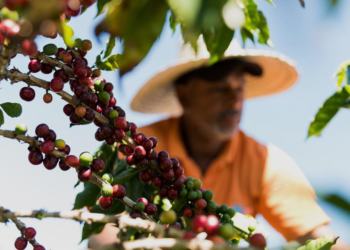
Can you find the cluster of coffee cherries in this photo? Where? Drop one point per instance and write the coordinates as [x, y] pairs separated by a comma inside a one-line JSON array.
[[49, 144], [22, 242]]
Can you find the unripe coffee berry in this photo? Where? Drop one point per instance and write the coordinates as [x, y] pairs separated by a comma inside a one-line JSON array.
[[208, 195], [189, 185], [197, 183], [107, 190], [139, 206], [108, 177], [85, 159], [168, 217]]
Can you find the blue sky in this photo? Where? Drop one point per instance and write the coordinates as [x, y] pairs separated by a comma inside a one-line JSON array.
[[314, 37]]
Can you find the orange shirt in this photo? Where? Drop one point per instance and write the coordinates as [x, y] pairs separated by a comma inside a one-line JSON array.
[[262, 179]]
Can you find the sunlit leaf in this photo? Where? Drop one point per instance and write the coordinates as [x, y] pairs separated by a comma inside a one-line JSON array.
[[246, 34], [264, 33], [109, 47], [126, 175], [68, 34], [323, 243], [341, 72], [327, 111], [101, 5]]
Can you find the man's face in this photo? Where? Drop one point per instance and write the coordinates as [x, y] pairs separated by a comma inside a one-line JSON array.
[[215, 107]]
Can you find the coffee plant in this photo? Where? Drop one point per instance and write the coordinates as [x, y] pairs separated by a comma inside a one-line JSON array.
[[147, 194]]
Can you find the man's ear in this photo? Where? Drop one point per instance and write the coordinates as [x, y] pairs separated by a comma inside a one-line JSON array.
[[183, 94]]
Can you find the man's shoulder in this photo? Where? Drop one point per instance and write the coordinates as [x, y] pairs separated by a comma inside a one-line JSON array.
[[251, 143]]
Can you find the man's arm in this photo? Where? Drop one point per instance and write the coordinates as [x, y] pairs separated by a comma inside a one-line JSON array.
[[323, 231]]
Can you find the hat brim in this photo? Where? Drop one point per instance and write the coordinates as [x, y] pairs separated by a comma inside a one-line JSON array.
[[158, 95]]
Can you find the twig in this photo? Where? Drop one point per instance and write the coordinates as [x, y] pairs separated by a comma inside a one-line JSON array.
[[19, 224], [122, 221]]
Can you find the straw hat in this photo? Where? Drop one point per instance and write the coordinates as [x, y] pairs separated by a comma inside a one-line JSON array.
[[158, 94]]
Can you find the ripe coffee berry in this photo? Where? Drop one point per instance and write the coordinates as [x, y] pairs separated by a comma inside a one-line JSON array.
[[147, 144], [133, 127], [150, 209], [119, 134], [47, 98], [198, 223], [47, 147], [162, 155], [131, 159], [172, 193], [34, 65], [119, 191], [211, 225], [120, 122], [163, 192], [178, 171], [257, 240], [90, 115], [168, 175], [56, 84], [80, 111], [189, 235], [175, 162], [27, 94], [157, 181], [65, 56], [108, 87], [61, 74], [105, 203], [75, 119], [35, 157], [72, 161], [140, 152], [166, 164], [84, 174], [188, 212], [143, 200], [50, 162], [200, 204], [39, 247], [145, 176], [152, 154], [106, 130], [176, 225], [80, 71], [86, 45], [51, 136], [63, 166], [110, 140], [68, 109], [141, 163], [178, 183], [97, 165], [21, 243], [99, 136], [135, 214], [46, 68], [29, 233], [154, 141]]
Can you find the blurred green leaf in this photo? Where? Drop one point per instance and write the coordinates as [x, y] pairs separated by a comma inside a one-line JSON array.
[[68, 34], [327, 111], [126, 175], [12, 109], [337, 201], [246, 34], [134, 188], [109, 47], [218, 43], [90, 229], [341, 72], [270, 1], [83, 122], [324, 243], [185, 10], [264, 33], [101, 4], [173, 21], [88, 197], [1, 118]]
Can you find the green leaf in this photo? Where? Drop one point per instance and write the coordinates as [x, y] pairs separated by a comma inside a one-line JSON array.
[[341, 72], [126, 175], [1, 118], [218, 43], [264, 33], [68, 34], [88, 197], [101, 5], [327, 111], [173, 21], [109, 47], [121, 166], [324, 243], [134, 188], [90, 229], [83, 122], [337, 201], [12, 109], [246, 34], [270, 1]]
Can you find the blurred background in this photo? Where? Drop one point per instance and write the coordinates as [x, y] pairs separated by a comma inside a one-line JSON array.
[[316, 37]]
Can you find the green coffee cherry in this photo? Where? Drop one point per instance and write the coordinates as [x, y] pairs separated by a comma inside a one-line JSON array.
[[251, 228], [128, 133], [99, 84], [231, 212], [108, 177], [183, 192], [139, 206], [8, 14], [77, 43], [21, 129], [167, 217], [50, 49], [85, 159], [199, 194], [226, 217], [113, 114], [208, 195], [192, 195], [104, 96], [189, 185], [107, 190], [223, 209], [211, 207], [189, 179], [235, 240], [197, 183], [226, 231]]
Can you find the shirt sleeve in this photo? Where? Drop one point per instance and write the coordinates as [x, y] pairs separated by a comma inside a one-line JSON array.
[[287, 200]]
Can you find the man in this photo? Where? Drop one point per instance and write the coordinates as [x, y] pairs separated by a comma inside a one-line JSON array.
[[205, 136]]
